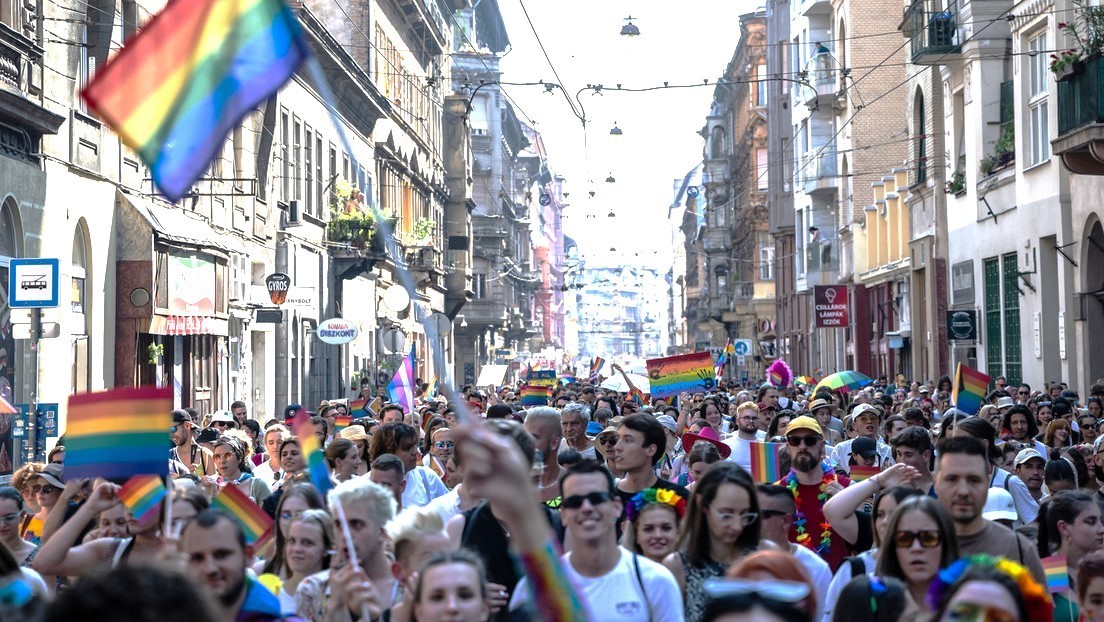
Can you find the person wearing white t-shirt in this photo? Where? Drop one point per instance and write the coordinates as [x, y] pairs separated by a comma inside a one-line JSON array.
[[615, 584], [747, 431], [776, 514]]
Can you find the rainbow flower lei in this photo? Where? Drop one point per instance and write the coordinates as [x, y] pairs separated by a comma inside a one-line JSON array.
[[1036, 599], [803, 537], [655, 495]]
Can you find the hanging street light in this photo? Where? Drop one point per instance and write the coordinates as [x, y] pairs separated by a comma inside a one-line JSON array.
[[616, 131], [610, 179], [630, 29]]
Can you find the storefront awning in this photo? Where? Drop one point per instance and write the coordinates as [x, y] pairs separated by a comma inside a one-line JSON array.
[[177, 225], [187, 325]]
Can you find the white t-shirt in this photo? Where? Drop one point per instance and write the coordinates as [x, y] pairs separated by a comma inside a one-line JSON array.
[[586, 453], [618, 595], [819, 571], [843, 576], [264, 471], [741, 449], [447, 505], [422, 486]]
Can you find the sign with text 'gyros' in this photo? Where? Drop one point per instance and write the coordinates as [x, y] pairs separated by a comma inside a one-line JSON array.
[[278, 284], [336, 331], [830, 305]]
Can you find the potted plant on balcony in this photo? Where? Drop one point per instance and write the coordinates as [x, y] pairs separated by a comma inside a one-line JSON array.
[[957, 183], [1087, 30], [1004, 151]]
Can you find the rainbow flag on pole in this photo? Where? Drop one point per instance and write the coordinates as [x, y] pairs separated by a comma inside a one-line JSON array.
[[673, 375], [255, 523], [401, 389], [316, 463], [595, 368], [1057, 574], [535, 396], [970, 388], [142, 495], [176, 90], [118, 434], [766, 462]]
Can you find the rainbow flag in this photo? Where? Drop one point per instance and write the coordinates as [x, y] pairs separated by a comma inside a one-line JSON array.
[[1057, 574], [341, 422], [542, 378], [766, 462], [118, 434], [673, 375], [358, 406], [596, 367], [316, 463], [176, 90], [255, 523], [970, 387], [142, 495], [535, 396], [859, 473]]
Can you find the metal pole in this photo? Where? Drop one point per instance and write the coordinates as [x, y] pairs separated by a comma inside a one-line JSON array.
[[32, 407]]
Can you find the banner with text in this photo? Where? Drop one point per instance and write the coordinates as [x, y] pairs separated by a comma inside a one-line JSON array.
[[831, 305], [689, 373]]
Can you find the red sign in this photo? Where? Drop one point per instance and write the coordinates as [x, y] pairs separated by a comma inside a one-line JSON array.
[[181, 325], [830, 305]]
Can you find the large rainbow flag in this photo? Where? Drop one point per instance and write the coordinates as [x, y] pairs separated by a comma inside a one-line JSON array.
[[255, 523], [970, 388], [673, 375], [118, 434], [535, 396], [176, 90]]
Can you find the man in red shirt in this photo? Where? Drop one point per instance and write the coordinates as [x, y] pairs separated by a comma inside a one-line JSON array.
[[812, 481]]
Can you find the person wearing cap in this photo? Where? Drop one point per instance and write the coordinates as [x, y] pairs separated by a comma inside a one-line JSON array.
[[222, 421], [999, 507], [229, 460], [747, 431], [1029, 466], [811, 479], [665, 468], [866, 420], [864, 452], [197, 460]]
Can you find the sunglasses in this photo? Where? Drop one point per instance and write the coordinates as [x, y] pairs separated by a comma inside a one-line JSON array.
[[608, 441], [43, 488], [928, 538], [575, 502], [444, 444], [173, 429], [810, 440], [746, 519], [769, 514], [787, 592], [971, 612], [221, 424]]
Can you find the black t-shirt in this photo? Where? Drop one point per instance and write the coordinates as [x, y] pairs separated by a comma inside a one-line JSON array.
[[662, 484]]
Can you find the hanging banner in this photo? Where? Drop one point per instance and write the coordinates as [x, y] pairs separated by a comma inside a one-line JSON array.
[[830, 305]]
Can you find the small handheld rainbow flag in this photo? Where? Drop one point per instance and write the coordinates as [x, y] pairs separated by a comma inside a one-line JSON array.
[[142, 495], [535, 396], [118, 434], [341, 422], [970, 388], [1057, 574], [766, 462], [255, 523], [673, 375], [860, 473], [175, 90], [316, 463], [596, 367], [358, 406]]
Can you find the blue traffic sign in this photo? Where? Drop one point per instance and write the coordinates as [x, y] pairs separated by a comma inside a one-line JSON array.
[[33, 283]]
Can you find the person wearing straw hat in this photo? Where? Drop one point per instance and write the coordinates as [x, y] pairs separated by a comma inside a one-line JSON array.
[[358, 435]]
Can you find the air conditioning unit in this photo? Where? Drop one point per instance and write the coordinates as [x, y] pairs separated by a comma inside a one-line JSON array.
[[293, 217]]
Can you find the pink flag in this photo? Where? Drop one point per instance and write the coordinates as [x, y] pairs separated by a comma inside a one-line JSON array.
[[401, 389]]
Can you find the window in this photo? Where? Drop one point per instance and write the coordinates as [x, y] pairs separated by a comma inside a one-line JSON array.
[[722, 282], [297, 162], [766, 256], [308, 169], [920, 125], [81, 370], [761, 169], [285, 156], [761, 84], [318, 176], [479, 286], [1037, 100], [716, 142], [1002, 318], [478, 116], [87, 64]]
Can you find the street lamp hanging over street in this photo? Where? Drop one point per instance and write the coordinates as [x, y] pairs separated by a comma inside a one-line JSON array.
[[630, 29], [616, 131], [610, 179]]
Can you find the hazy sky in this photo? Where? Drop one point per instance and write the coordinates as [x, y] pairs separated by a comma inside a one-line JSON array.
[[680, 43]]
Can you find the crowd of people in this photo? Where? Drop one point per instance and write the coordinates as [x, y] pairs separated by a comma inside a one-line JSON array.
[[889, 504]]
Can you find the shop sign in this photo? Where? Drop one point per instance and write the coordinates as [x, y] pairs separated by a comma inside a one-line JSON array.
[[830, 306], [337, 331], [278, 285], [191, 285], [962, 325]]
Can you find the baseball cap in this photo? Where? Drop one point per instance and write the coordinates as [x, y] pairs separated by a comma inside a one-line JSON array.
[[804, 422], [1060, 407], [668, 422], [924, 389], [52, 474], [593, 429], [1026, 454], [207, 435], [863, 446], [864, 409], [1006, 402], [181, 416], [999, 505]]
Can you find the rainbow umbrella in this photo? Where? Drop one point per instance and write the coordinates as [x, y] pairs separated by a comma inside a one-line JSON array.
[[805, 380], [844, 381]]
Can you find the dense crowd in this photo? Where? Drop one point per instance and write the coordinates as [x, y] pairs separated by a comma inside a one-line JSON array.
[[887, 503]]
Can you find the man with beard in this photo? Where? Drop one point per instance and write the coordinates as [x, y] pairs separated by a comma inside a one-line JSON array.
[[198, 460], [1021, 424], [812, 481], [866, 419], [962, 485], [544, 424], [214, 547], [1030, 466], [747, 431]]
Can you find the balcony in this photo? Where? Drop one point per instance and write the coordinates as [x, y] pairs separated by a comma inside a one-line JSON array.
[[717, 239], [818, 171], [934, 36], [815, 7], [821, 86], [1080, 140], [821, 256]]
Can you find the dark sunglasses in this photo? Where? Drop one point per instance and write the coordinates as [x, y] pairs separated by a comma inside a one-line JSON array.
[[768, 514], [929, 538], [810, 440], [43, 488], [575, 502], [788, 592], [221, 424], [609, 440], [173, 429]]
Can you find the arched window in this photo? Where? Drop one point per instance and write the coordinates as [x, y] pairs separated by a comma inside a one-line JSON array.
[[9, 355], [716, 142], [78, 273], [920, 134]]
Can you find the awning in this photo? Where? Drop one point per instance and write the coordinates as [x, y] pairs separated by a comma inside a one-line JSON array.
[[187, 325], [177, 225]]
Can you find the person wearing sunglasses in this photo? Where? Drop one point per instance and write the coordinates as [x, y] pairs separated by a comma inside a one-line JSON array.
[[776, 510], [983, 588], [197, 460], [612, 580], [920, 541], [762, 601]]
